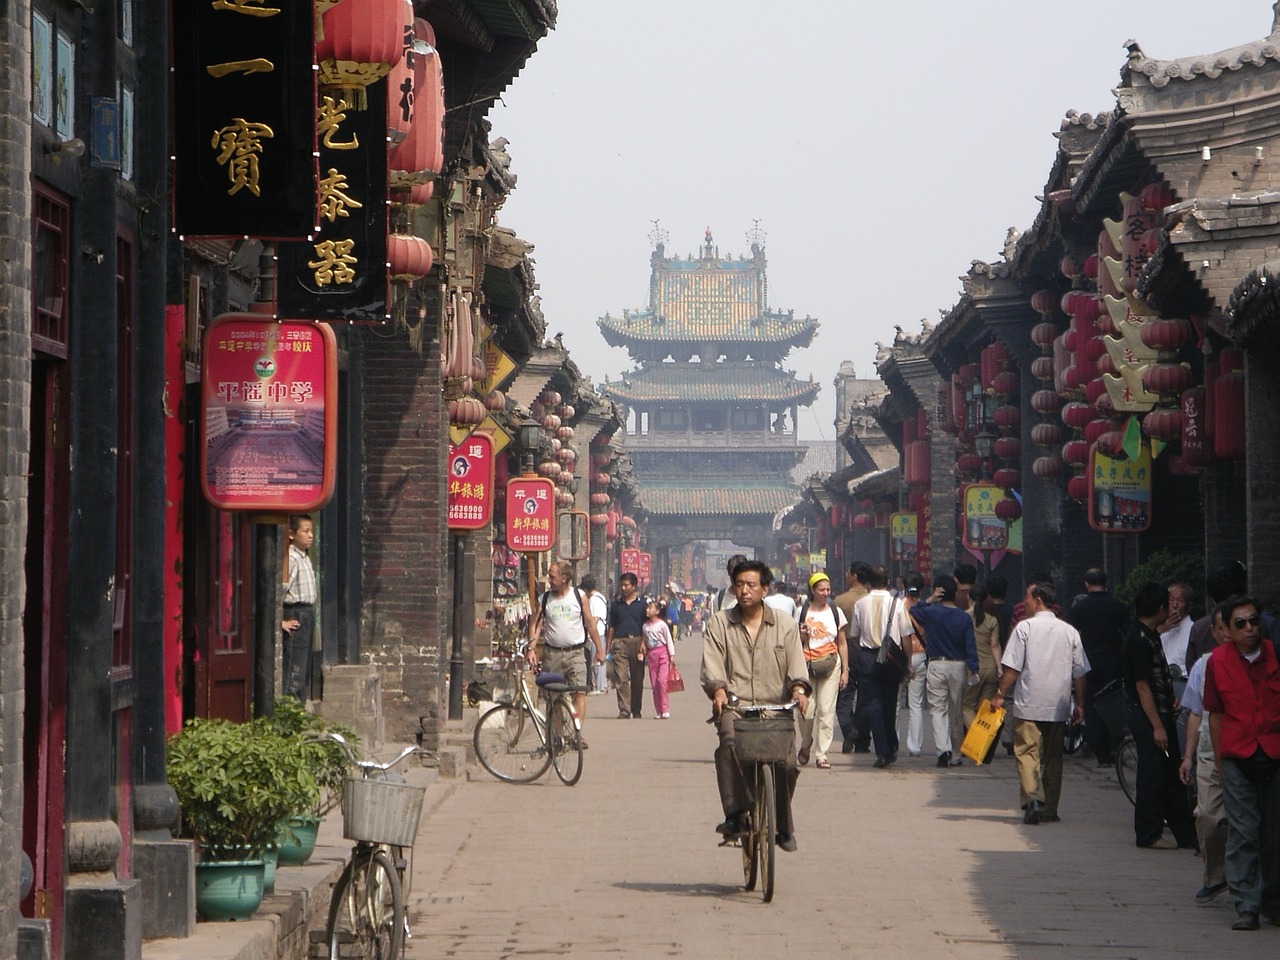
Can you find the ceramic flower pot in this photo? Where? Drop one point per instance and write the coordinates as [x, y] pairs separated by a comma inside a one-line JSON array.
[[229, 889], [298, 840]]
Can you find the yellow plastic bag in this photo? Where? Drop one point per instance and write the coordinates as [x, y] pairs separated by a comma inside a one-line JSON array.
[[982, 733]]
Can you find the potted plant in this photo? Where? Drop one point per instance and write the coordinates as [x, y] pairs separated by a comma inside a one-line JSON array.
[[235, 783], [329, 763]]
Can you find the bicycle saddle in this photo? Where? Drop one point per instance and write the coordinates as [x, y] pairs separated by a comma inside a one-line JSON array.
[[548, 678]]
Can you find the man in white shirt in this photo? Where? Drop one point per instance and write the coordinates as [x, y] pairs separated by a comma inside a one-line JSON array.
[[1045, 658], [564, 627], [877, 617], [779, 599]]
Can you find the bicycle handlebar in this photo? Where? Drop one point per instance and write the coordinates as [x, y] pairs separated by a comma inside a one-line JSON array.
[[355, 760]]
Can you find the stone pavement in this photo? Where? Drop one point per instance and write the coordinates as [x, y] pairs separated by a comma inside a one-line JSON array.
[[909, 862]]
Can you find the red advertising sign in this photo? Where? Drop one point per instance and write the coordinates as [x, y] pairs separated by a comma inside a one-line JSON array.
[[645, 573], [471, 483], [269, 390], [531, 514], [630, 561]]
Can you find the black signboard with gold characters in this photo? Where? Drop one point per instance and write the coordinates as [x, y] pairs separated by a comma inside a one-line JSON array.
[[341, 274], [243, 136]]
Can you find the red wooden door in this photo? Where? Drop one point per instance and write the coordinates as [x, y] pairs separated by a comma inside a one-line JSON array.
[[45, 633], [224, 644]]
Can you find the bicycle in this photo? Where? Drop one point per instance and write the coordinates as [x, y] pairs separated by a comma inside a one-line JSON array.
[[1126, 760], [516, 742], [380, 812], [762, 744]]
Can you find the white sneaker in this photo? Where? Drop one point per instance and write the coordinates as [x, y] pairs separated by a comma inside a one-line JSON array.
[[666, 716]]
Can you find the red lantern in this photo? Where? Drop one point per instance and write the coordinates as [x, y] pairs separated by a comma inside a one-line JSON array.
[[1094, 389], [916, 463], [1043, 335], [1046, 434], [414, 163], [1042, 368], [1007, 417], [864, 521], [1008, 509], [1047, 468], [599, 499], [408, 257], [1043, 301], [1105, 365], [1008, 478], [1228, 416], [1078, 374], [1045, 401], [1096, 428], [1166, 335], [1088, 309], [629, 522], [968, 464], [549, 469], [1078, 489], [1005, 383], [1196, 448], [1070, 269], [495, 400], [1166, 379], [1155, 197], [550, 422], [564, 433], [1076, 414], [1110, 443], [1075, 452], [1163, 424], [968, 373], [600, 479], [400, 84], [359, 42], [1007, 448], [599, 519], [1091, 266]]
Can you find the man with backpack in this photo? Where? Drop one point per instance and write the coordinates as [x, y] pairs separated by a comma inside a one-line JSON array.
[[563, 624]]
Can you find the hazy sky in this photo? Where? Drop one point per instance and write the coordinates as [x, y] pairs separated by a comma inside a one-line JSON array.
[[882, 147]]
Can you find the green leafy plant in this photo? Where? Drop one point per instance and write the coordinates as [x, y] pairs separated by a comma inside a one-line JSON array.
[[328, 760], [1165, 567], [236, 782]]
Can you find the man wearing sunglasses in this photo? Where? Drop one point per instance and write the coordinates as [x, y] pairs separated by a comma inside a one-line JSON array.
[[1242, 696]]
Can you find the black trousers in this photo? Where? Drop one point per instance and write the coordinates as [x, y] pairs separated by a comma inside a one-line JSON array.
[[1160, 796], [296, 668]]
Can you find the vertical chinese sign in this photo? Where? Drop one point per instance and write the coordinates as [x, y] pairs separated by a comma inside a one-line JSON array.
[[629, 561], [1120, 492], [644, 573], [341, 273], [531, 508], [470, 489], [244, 134], [270, 424]]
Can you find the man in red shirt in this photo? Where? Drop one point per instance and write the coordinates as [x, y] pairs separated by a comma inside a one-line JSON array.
[[1242, 696]]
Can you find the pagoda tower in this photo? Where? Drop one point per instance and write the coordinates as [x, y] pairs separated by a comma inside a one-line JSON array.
[[710, 413]]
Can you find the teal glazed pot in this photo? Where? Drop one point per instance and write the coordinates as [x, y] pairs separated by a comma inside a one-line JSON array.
[[229, 889], [298, 840]]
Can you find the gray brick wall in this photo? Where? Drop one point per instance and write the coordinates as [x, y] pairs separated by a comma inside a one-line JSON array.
[[406, 609], [15, 391]]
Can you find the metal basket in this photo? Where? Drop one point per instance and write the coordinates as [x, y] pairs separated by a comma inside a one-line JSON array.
[[763, 738], [381, 811]]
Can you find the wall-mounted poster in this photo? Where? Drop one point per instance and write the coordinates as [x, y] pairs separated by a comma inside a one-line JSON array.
[[41, 69], [64, 87], [1120, 492], [902, 536]]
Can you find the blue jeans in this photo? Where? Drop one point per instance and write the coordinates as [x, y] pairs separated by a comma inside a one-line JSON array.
[[1252, 798]]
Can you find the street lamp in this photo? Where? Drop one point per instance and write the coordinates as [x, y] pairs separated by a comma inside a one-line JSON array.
[[530, 433], [984, 445]]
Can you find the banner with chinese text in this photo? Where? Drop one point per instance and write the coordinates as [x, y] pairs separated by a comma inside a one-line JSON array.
[[1120, 492], [531, 514], [470, 490], [902, 536]]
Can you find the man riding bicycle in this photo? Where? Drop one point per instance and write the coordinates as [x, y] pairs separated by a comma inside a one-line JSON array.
[[752, 652]]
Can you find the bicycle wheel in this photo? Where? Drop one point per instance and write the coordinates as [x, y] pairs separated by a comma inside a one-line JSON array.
[[766, 828], [508, 745], [749, 862], [566, 743], [1127, 767], [366, 914]]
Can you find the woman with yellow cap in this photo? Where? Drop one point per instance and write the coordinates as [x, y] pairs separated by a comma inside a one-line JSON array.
[[823, 629]]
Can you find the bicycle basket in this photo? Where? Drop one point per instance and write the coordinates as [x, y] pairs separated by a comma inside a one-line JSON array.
[[762, 738], [381, 811]]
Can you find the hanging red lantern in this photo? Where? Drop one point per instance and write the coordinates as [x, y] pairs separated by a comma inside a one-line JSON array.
[[968, 464], [1088, 309], [1071, 301], [1105, 365], [564, 433], [1094, 389], [1163, 423], [550, 422], [1047, 468], [400, 84], [916, 466], [864, 521], [1075, 452], [1042, 368], [599, 499], [1008, 509], [1166, 334], [1006, 383], [359, 42], [1091, 266], [1007, 417], [1096, 428], [495, 400], [1007, 448], [600, 479], [1069, 267], [1076, 414], [1155, 197], [1043, 335], [1078, 488], [629, 522], [1228, 416], [1046, 434], [1078, 374], [1043, 301], [550, 398], [1008, 478], [599, 519], [968, 373], [1045, 401], [1111, 443], [1166, 379], [566, 411], [408, 257], [549, 469], [414, 162]]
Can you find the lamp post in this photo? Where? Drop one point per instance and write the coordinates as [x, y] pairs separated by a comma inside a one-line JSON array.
[[984, 445], [529, 435]]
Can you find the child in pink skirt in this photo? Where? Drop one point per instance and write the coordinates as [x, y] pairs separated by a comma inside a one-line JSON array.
[[660, 652]]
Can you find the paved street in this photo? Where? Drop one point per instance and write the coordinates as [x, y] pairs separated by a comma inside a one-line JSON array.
[[912, 862]]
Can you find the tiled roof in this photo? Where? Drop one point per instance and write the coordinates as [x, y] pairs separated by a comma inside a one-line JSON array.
[[708, 322], [671, 382], [694, 500]]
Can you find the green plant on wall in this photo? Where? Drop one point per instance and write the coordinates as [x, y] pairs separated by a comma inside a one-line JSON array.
[[1165, 567], [237, 782]]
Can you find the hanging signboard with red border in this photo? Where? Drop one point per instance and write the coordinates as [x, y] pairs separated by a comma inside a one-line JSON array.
[[629, 561], [1120, 492], [270, 392], [531, 514], [902, 537], [645, 572], [983, 530], [244, 131], [471, 483]]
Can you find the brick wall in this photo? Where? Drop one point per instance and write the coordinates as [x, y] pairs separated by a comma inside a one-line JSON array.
[[404, 624], [15, 389], [1262, 401]]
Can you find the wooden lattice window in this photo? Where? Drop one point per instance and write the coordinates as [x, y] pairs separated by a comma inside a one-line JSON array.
[[50, 287]]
